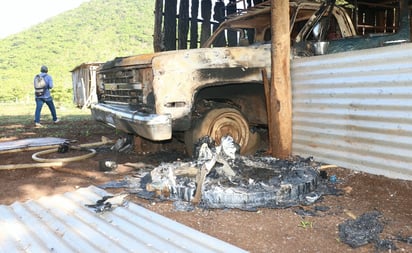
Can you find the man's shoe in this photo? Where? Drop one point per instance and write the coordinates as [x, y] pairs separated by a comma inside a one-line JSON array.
[[56, 121], [38, 124]]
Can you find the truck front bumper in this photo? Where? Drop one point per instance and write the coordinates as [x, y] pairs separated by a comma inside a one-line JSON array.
[[150, 126]]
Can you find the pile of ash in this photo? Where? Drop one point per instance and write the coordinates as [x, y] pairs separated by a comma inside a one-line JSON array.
[[234, 181]]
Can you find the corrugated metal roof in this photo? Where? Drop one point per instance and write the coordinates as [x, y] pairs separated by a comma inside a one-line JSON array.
[[86, 65], [18, 145], [62, 223], [354, 109]]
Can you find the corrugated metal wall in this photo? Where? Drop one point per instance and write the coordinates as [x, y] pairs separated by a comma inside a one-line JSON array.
[[354, 109]]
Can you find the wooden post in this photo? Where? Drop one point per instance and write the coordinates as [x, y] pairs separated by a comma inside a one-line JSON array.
[[206, 10], [268, 93], [157, 36], [183, 24], [169, 25], [281, 94], [193, 24]]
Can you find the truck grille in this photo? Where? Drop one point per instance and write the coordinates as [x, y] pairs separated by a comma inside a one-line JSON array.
[[123, 93], [129, 86]]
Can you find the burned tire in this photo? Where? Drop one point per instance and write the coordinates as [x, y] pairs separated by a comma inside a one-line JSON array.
[[221, 122], [285, 187], [258, 182]]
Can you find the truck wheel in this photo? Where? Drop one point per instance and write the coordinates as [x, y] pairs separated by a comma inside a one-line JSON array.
[[221, 122]]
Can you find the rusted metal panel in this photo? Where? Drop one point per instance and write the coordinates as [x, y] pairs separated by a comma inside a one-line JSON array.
[[62, 223], [354, 109], [189, 71]]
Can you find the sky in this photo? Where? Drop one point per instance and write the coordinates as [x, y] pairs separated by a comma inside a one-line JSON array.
[[19, 15]]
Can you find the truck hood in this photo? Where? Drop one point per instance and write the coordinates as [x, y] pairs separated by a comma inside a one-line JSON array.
[[145, 60]]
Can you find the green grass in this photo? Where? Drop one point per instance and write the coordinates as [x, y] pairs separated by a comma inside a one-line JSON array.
[[28, 108], [17, 122]]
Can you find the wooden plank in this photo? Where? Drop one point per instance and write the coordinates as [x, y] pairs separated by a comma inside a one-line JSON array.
[[206, 12], [281, 94], [267, 86], [193, 24], [170, 9], [183, 24], [157, 36]]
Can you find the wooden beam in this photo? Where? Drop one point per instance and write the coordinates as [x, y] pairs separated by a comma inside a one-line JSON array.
[[206, 12], [183, 24], [267, 86], [169, 25], [281, 94], [193, 24], [157, 36]]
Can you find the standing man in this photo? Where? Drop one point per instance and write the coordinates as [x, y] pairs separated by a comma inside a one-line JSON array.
[[44, 96]]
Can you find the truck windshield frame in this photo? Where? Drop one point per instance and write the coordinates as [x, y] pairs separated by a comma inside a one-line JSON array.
[[253, 26]]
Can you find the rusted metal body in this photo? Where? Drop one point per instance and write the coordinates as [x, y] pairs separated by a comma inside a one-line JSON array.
[[159, 95], [156, 95], [151, 104]]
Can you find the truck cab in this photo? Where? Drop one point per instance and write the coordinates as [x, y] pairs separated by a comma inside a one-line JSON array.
[[310, 22]]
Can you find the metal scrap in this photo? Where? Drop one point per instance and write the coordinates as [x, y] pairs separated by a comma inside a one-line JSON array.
[[108, 203]]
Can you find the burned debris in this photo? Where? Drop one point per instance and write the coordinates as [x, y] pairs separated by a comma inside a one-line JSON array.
[[108, 203], [221, 178], [363, 230]]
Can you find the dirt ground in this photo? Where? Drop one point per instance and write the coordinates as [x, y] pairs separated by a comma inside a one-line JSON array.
[[312, 228]]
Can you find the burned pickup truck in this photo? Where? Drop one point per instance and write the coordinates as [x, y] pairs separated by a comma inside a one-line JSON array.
[[217, 90]]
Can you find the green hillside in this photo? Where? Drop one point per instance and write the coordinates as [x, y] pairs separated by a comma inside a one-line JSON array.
[[96, 31]]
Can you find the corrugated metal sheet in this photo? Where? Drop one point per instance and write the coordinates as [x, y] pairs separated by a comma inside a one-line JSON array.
[[19, 145], [63, 223], [354, 109]]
